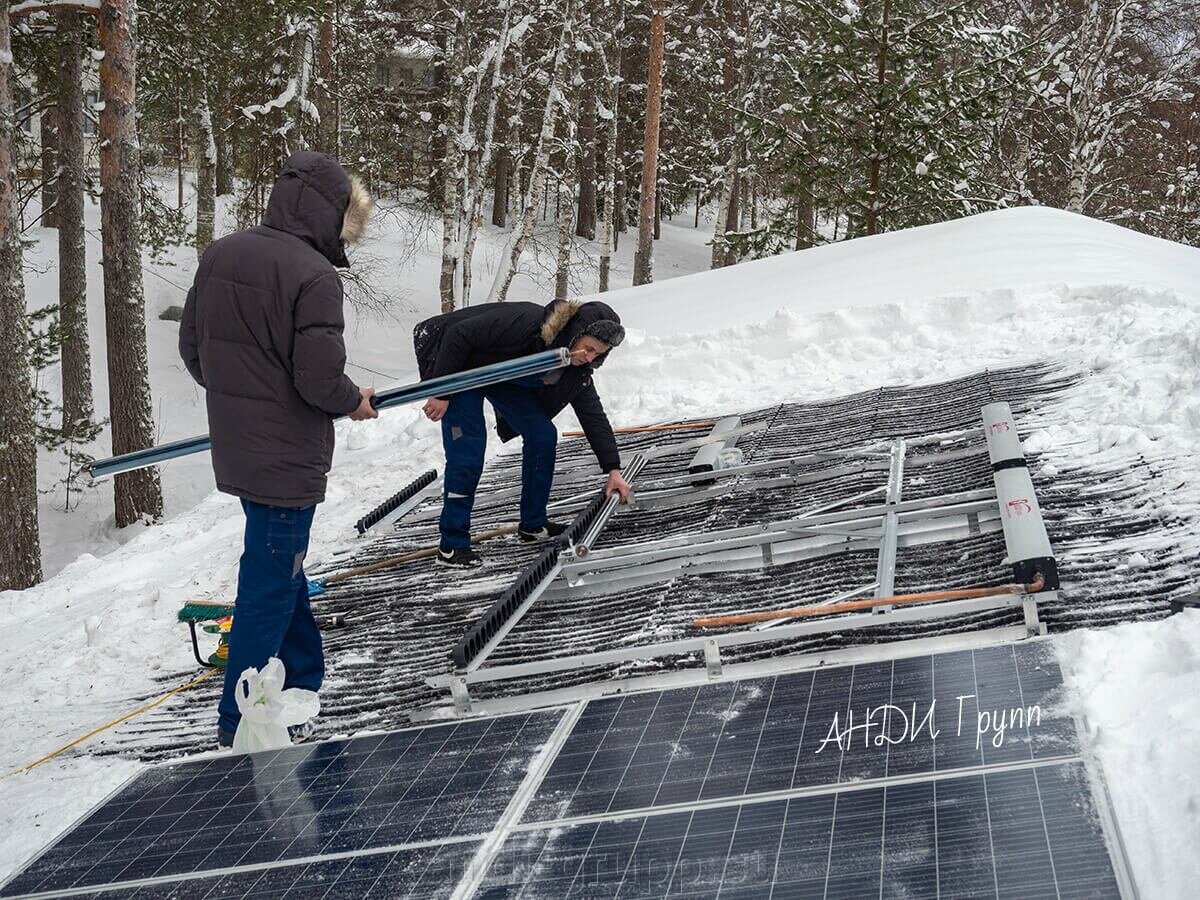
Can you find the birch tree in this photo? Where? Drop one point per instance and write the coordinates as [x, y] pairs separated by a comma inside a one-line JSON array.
[[567, 178], [20, 552], [541, 154], [610, 113], [452, 180], [206, 175], [729, 183], [1103, 89], [472, 213]]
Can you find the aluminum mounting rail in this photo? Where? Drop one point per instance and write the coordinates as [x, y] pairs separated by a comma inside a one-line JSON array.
[[963, 503], [422, 390], [885, 573], [767, 546], [711, 645]]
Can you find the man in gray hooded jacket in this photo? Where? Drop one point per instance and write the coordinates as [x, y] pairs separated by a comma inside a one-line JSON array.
[[262, 334]]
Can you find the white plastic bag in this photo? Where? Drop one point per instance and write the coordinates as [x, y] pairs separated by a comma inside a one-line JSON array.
[[267, 709]]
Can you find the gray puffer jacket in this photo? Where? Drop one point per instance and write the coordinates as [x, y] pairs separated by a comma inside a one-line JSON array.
[[262, 333]]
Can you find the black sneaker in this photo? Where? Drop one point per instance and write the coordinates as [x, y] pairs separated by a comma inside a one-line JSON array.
[[459, 558], [224, 738], [541, 533]]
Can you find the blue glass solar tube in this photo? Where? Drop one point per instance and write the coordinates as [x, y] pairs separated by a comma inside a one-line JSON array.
[[496, 373]]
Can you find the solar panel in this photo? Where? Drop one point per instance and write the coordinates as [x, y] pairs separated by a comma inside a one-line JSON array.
[[427, 874], [952, 786], [422, 784], [829, 726], [1028, 833]]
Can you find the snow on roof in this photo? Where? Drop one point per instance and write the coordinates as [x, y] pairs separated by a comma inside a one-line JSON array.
[[1005, 249]]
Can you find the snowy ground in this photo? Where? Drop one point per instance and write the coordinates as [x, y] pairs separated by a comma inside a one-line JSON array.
[[915, 306]]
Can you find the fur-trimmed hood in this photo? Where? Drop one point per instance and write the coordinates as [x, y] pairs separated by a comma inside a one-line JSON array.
[[315, 200], [358, 212], [565, 320]]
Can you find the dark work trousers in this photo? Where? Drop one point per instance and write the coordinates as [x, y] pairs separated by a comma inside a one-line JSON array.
[[272, 616], [464, 437]]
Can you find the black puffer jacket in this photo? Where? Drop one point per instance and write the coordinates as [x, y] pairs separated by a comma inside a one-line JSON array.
[[262, 333], [494, 332]]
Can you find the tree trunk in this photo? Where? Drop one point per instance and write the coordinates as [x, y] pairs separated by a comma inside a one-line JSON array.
[[585, 225], [722, 255], [612, 82], [657, 214], [77, 402], [136, 494], [874, 176], [733, 215], [225, 155], [20, 552], [303, 109], [451, 185], [806, 224], [50, 168], [507, 270], [326, 87], [503, 169], [565, 200], [206, 186], [727, 205], [180, 147], [500, 188], [515, 188], [643, 263], [621, 217], [481, 157]]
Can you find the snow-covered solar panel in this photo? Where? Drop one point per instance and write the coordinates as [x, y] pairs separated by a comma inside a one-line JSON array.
[[821, 727], [1029, 833], [420, 785], [426, 873], [745, 788]]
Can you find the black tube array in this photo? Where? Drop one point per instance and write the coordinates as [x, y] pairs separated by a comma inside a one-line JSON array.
[[388, 506], [502, 610]]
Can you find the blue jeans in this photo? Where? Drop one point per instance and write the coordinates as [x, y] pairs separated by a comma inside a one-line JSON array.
[[272, 616], [464, 437]]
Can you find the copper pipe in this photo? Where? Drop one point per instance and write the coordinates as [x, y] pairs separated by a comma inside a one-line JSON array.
[[853, 605], [639, 429]]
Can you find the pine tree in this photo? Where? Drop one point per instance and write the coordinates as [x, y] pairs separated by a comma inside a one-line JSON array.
[[643, 264], [77, 403], [20, 552], [137, 495]]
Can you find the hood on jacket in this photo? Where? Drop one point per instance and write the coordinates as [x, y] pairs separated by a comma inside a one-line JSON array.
[[315, 200], [566, 320]]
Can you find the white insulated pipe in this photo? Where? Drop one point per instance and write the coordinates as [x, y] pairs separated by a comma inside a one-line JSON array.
[[1025, 536]]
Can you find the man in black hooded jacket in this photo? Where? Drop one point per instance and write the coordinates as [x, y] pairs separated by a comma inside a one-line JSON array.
[[494, 332], [262, 334]]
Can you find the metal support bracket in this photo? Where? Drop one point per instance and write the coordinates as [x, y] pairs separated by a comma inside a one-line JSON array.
[[712, 659], [460, 695], [1029, 605]]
